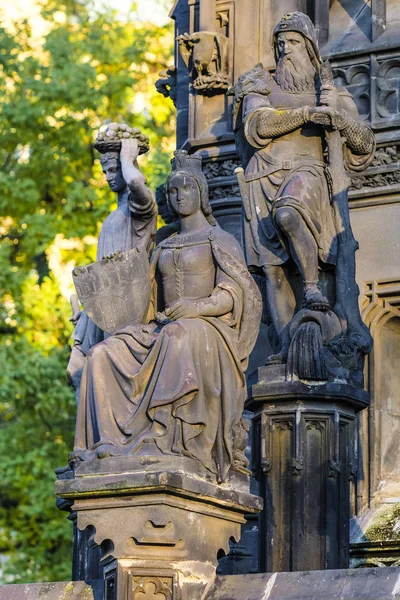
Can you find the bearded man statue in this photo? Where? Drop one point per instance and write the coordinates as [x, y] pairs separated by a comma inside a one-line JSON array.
[[281, 123]]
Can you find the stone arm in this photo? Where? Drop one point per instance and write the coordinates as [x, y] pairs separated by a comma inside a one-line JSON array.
[[270, 123], [360, 143], [359, 137], [141, 197], [263, 123], [218, 304]]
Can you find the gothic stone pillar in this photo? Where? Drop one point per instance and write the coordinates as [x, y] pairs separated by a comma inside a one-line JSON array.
[[305, 458]]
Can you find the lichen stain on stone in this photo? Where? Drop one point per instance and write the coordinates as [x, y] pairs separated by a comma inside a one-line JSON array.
[[86, 594], [68, 592], [386, 525]]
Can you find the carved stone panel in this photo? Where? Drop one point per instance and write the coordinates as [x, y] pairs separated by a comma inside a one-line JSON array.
[[205, 54], [381, 177], [388, 88], [151, 588], [374, 82], [380, 427], [220, 168], [356, 79]]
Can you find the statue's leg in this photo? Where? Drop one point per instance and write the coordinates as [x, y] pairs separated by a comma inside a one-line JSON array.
[[281, 304], [107, 389], [304, 251]]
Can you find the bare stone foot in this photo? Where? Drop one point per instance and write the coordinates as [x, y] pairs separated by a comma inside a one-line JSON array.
[[79, 455], [105, 450]]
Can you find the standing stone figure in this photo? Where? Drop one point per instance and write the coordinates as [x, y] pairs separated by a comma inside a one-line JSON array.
[[132, 224], [175, 384], [291, 226]]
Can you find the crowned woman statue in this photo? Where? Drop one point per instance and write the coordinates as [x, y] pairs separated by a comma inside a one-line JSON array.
[[177, 381]]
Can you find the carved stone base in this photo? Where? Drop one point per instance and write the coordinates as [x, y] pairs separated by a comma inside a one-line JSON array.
[[160, 530], [305, 454]]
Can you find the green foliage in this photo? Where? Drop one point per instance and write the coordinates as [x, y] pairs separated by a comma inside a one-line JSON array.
[[89, 68], [37, 414]]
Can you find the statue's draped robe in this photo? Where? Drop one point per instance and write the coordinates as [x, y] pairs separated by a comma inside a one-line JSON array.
[[130, 225], [179, 384], [288, 171]]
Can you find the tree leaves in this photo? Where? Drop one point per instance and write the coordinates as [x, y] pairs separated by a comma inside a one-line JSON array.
[[89, 68]]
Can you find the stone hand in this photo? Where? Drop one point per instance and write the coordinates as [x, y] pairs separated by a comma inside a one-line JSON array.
[[330, 97], [75, 317], [322, 115], [182, 309], [129, 150]]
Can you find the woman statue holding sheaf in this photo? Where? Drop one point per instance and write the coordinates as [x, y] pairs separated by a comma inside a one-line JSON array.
[[177, 381]]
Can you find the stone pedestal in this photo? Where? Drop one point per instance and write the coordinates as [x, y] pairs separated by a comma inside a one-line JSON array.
[[305, 456], [160, 524]]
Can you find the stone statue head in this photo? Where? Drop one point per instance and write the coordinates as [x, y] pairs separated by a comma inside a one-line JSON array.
[[108, 142], [111, 166], [296, 53], [187, 172]]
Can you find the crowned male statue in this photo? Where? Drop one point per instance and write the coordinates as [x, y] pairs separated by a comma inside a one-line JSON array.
[[132, 224], [174, 384], [284, 125]]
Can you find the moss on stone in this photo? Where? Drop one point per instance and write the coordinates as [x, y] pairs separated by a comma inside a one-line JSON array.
[[386, 525]]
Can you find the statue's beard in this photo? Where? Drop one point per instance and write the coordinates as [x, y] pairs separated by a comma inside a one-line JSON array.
[[297, 76]]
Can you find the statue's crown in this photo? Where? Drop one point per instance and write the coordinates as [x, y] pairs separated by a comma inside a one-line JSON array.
[[182, 161]]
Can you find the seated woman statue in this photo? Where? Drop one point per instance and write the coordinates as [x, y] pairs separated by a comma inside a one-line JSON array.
[[177, 382]]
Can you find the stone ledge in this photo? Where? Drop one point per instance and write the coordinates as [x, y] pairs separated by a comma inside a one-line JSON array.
[[267, 384], [362, 584], [67, 590], [157, 482]]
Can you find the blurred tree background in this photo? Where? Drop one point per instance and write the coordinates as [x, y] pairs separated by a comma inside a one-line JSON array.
[[89, 66]]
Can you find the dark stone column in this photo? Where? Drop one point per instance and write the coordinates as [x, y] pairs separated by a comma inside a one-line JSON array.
[[378, 18], [319, 13], [305, 457]]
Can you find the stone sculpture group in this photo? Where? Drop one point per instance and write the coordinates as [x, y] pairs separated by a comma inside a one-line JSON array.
[[159, 474], [175, 383]]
